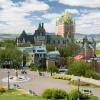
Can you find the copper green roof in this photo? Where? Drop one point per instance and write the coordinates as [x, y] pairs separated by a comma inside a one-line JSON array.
[[55, 37]]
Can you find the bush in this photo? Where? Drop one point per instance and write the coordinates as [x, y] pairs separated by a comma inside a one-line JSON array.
[[74, 82], [81, 68], [47, 93], [34, 67], [59, 94], [2, 89], [73, 95], [92, 73], [54, 94]]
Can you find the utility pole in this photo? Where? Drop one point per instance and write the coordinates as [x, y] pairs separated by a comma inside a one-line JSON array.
[[78, 90], [8, 80]]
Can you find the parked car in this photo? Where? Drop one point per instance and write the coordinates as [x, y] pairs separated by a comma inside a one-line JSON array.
[[87, 91]]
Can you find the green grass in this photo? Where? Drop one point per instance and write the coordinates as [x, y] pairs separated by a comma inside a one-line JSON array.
[[86, 84], [16, 97], [93, 98], [14, 94], [97, 51]]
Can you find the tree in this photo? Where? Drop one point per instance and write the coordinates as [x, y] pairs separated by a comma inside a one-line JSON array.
[[10, 57], [9, 43], [34, 67], [70, 50], [25, 57], [52, 69], [50, 47], [81, 68]]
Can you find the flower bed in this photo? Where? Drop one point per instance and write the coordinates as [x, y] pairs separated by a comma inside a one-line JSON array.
[[64, 77]]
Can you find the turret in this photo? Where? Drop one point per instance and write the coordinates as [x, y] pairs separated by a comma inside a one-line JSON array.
[[42, 25]]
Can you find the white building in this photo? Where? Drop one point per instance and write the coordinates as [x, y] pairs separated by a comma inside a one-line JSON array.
[[36, 53]]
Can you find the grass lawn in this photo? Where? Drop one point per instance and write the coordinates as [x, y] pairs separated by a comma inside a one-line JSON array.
[[16, 97], [13, 94], [84, 84], [93, 98]]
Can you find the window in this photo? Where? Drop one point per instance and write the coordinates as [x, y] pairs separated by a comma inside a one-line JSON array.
[[33, 50], [40, 51], [40, 55]]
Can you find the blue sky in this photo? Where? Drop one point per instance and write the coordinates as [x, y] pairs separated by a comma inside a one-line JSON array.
[[16, 15]]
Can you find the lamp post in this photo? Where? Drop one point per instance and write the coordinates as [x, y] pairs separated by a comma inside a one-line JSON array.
[[8, 80], [78, 90]]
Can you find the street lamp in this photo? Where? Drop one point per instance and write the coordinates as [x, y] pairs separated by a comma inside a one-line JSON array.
[[8, 80], [78, 89]]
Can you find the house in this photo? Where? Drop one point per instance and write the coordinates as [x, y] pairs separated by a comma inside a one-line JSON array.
[[36, 54]]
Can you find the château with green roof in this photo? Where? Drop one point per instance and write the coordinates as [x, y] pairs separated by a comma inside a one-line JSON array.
[[65, 26]]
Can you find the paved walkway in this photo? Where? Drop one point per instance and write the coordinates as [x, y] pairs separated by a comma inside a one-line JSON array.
[[39, 83]]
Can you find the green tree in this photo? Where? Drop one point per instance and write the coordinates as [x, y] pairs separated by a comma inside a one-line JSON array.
[[9, 43], [80, 68], [52, 69], [70, 50], [11, 57], [50, 47], [34, 67], [25, 57]]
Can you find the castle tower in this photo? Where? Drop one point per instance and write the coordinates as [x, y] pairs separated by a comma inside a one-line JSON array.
[[65, 26]]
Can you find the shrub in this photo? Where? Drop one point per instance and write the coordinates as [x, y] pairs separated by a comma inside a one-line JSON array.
[[92, 73], [73, 95], [47, 93], [2, 89], [59, 94], [84, 96], [74, 82], [54, 94], [34, 67]]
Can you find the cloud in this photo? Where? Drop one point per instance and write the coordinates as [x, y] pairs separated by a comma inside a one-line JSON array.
[[15, 16], [85, 3], [53, 0], [88, 23], [51, 15], [51, 26], [73, 11]]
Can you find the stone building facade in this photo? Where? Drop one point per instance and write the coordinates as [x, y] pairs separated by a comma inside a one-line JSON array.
[[88, 48]]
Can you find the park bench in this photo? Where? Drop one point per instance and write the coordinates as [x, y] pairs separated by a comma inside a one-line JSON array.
[[32, 92]]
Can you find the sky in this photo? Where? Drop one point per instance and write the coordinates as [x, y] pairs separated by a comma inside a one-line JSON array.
[[19, 15]]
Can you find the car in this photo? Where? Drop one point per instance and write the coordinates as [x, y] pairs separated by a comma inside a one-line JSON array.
[[86, 91]]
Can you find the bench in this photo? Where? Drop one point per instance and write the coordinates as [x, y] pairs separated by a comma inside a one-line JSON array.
[[32, 92]]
